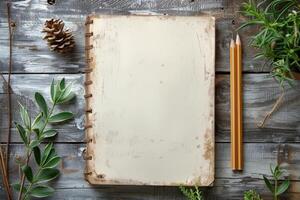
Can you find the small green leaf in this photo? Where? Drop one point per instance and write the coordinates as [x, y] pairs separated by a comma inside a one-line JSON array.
[[22, 133], [17, 187], [34, 143], [67, 98], [66, 94], [66, 91], [37, 132], [25, 117], [57, 92], [41, 191], [283, 187], [46, 152], [271, 169], [47, 174], [51, 154], [49, 133], [37, 121], [62, 84], [53, 162], [41, 103], [268, 184], [53, 91], [61, 117], [37, 155], [28, 172]]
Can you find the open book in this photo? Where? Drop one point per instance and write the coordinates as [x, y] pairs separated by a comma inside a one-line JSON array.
[[150, 100]]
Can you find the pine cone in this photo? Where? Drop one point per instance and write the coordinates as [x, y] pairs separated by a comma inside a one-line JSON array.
[[58, 38]]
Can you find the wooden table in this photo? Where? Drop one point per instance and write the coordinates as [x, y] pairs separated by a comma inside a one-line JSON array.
[[34, 67]]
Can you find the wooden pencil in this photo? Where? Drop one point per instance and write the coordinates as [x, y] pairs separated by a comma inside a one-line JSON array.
[[233, 104], [239, 103]]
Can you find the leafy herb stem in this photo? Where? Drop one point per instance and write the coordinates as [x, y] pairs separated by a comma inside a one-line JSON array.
[[276, 185], [29, 153], [46, 160], [31, 184], [47, 118]]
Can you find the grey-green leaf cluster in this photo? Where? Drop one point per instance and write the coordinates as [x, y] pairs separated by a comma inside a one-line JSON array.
[[192, 193], [278, 37], [33, 132]]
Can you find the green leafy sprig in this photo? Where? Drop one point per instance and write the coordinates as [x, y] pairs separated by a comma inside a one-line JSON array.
[[273, 185], [33, 133], [278, 37], [192, 194]]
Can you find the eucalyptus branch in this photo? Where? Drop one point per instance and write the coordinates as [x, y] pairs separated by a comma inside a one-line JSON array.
[[46, 160]]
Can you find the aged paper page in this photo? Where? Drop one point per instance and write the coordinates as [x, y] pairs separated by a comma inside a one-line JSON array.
[[153, 100]]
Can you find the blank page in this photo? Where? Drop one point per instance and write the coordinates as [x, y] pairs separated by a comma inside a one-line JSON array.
[[153, 100]]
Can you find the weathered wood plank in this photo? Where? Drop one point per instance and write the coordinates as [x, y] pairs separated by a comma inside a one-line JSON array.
[[260, 92], [91, 5], [258, 157], [31, 54], [226, 189], [228, 185]]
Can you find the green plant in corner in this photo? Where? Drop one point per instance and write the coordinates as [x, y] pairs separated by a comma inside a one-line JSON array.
[[191, 194], [251, 195], [278, 37], [273, 185], [33, 133]]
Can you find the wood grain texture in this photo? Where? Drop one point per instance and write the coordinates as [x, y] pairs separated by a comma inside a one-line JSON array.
[[260, 92], [278, 142], [233, 185], [31, 54], [224, 190]]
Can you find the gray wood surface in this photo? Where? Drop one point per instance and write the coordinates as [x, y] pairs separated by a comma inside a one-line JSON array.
[[35, 67]]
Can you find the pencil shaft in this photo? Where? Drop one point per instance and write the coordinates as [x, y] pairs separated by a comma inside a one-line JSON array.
[[233, 105], [239, 106]]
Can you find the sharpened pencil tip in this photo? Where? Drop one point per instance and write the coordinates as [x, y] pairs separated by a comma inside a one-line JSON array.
[[238, 40], [232, 44]]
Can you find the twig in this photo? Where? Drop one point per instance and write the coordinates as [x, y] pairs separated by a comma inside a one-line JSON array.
[[23, 177], [9, 22], [4, 176], [274, 108], [4, 158]]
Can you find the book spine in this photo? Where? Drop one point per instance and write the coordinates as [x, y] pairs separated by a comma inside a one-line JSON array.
[[88, 152]]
